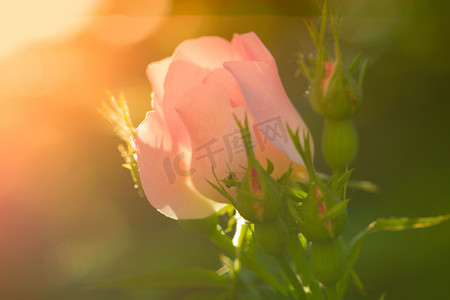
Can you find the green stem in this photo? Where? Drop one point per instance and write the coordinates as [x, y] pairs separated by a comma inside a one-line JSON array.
[[332, 292], [299, 257], [339, 143], [225, 243], [286, 267]]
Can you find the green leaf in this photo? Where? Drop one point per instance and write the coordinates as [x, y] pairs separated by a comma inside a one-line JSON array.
[[358, 283], [187, 278], [335, 210], [392, 224], [363, 185], [397, 224], [389, 224], [383, 296]]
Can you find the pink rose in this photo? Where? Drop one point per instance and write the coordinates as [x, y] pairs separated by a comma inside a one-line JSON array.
[[191, 127]]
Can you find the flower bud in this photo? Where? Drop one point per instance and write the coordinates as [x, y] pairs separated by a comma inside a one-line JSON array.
[[339, 143], [314, 226], [272, 237], [259, 197], [327, 261], [335, 94]]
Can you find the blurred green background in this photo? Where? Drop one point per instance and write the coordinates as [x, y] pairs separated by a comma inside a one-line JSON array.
[[68, 213]]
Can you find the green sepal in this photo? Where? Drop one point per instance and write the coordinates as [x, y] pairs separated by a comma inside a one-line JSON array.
[[362, 72], [246, 137], [293, 210], [341, 97], [339, 183], [316, 224], [336, 210], [304, 151], [229, 183], [259, 197], [295, 191], [220, 188], [361, 185], [286, 176], [314, 227], [270, 167], [353, 68]]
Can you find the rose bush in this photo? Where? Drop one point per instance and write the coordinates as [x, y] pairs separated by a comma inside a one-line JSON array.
[[191, 128]]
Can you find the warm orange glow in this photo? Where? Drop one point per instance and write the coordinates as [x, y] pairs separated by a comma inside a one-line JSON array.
[[69, 215], [57, 58], [130, 24], [23, 21]]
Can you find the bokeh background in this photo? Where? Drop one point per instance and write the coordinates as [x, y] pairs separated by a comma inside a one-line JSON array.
[[68, 213]]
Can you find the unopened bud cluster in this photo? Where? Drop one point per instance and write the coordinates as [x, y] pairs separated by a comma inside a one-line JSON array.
[[260, 201], [312, 211], [335, 93], [326, 255]]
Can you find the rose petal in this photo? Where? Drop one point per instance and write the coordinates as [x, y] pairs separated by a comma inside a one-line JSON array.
[[225, 78], [265, 95], [164, 173], [208, 117], [156, 73], [250, 47], [207, 52], [192, 61]]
